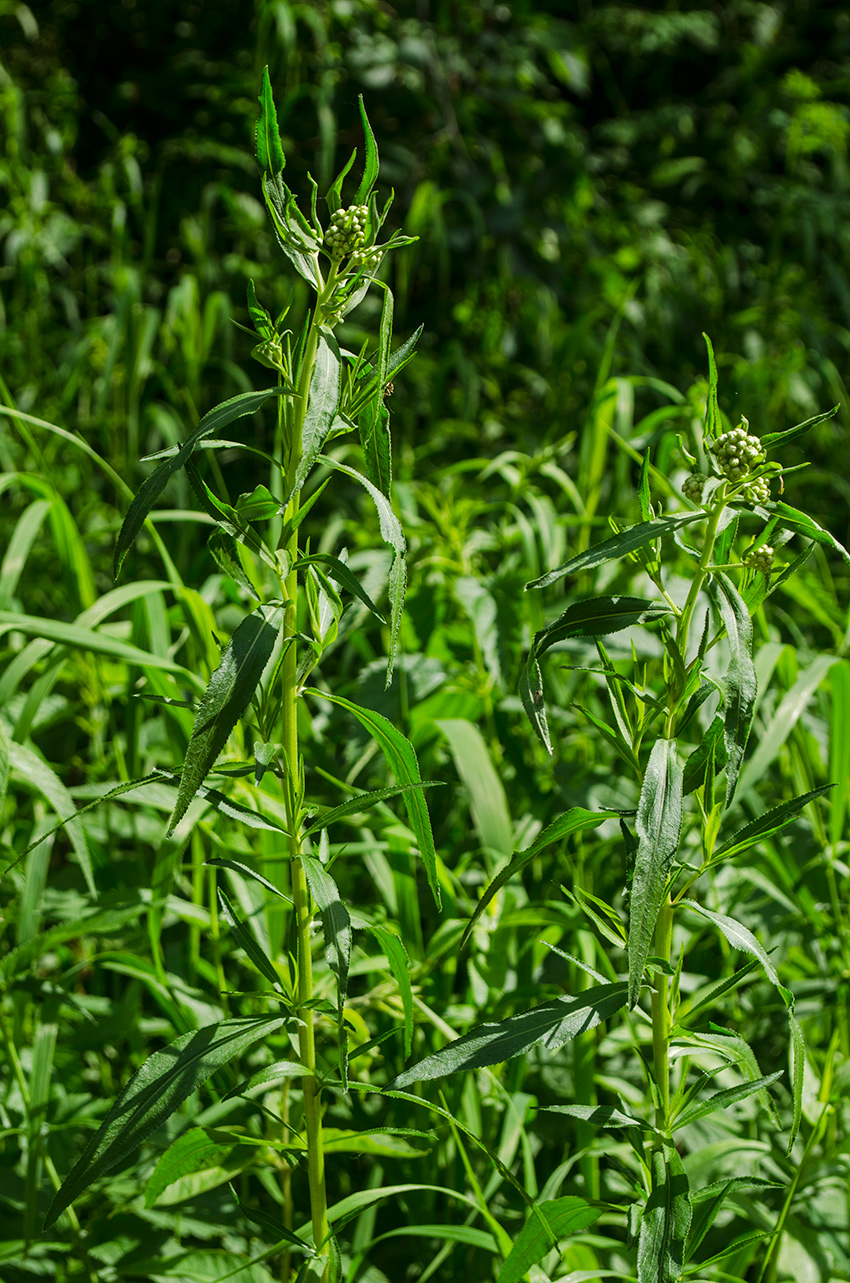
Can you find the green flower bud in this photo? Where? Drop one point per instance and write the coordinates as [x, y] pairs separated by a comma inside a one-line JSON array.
[[760, 558], [693, 486], [756, 491], [346, 232], [736, 453]]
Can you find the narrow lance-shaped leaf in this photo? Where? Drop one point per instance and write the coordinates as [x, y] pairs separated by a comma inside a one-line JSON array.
[[373, 421], [551, 1025], [336, 929], [771, 439], [362, 802], [592, 617], [764, 826], [246, 941], [713, 421], [226, 699], [802, 524], [560, 1216], [154, 1092], [371, 163], [270, 155], [151, 488], [401, 759], [339, 571], [393, 534], [659, 821], [396, 955], [741, 683], [620, 545], [322, 402], [723, 1099], [665, 1221]]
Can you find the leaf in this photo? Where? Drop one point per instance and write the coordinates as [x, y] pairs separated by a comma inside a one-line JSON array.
[[32, 769], [196, 1151], [246, 940], [270, 1077], [665, 1221], [270, 155], [370, 166], [322, 402], [764, 826], [336, 923], [392, 534], [572, 821], [785, 718], [223, 549], [154, 1092], [344, 577], [236, 407], [798, 1068], [771, 439], [620, 545], [592, 617], [741, 684], [707, 1202], [710, 752], [723, 1099], [56, 630], [802, 524], [597, 1115], [550, 1025], [399, 963], [741, 938], [373, 421], [713, 422], [401, 759], [243, 662], [559, 1217], [487, 800], [361, 803], [658, 824]]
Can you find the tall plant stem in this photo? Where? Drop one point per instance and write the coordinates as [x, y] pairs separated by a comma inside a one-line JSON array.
[[303, 907]]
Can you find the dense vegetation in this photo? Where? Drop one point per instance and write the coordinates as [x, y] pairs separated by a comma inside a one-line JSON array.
[[592, 187]]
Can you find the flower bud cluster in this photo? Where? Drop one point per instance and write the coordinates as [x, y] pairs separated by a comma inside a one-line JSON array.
[[756, 491], [736, 452], [346, 232], [693, 486], [367, 259], [760, 558]]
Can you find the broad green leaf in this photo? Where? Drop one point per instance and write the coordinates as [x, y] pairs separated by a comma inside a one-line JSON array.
[[370, 165], [154, 1092], [269, 150], [620, 545], [32, 770], [213, 1157], [392, 534], [487, 799], [259, 505], [597, 1115], [245, 939], [802, 524], [764, 826], [665, 1221], [236, 407], [54, 630], [339, 571], [210, 1266], [243, 662], [401, 759], [322, 402], [559, 1217], [572, 821], [592, 617], [659, 821], [723, 1099], [550, 1025], [361, 803], [399, 963], [771, 439], [741, 684]]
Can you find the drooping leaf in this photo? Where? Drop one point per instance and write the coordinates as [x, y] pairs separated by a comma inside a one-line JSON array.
[[154, 1092], [550, 1025], [270, 155], [620, 545], [339, 571], [764, 826], [245, 939], [560, 1217], [658, 824], [228, 695], [664, 1221], [741, 683], [392, 534], [573, 821], [802, 524], [322, 402], [740, 937], [236, 407], [401, 759]]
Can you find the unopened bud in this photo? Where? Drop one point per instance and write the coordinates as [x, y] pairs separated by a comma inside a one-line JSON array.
[[760, 558]]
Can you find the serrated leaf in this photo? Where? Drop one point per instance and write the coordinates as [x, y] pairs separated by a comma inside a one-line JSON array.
[[154, 1092], [322, 402], [771, 439], [336, 923], [665, 1221], [550, 1025], [236, 407], [269, 149], [741, 683], [339, 571], [764, 826], [802, 524], [707, 1202], [391, 533], [362, 802], [620, 545], [371, 162], [231, 686], [597, 1115], [658, 824], [551, 1220], [246, 940], [401, 759], [723, 1099], [740, 937], [572, 821]]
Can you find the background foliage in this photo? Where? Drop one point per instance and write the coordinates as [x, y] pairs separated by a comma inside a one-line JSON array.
[[592, 186]]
